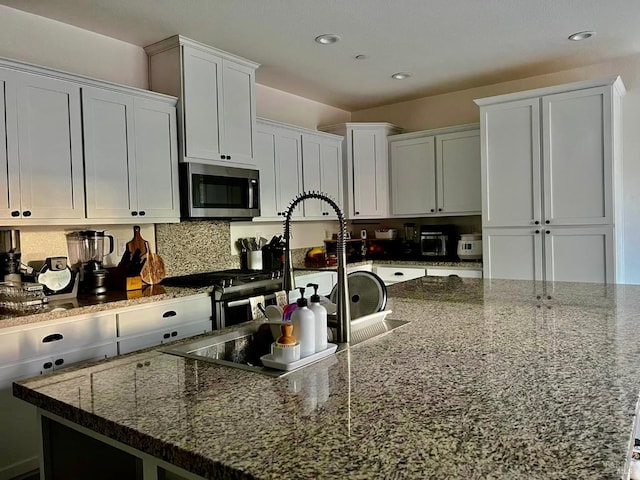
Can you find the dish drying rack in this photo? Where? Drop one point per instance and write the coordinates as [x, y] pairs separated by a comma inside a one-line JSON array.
[[21, 296]]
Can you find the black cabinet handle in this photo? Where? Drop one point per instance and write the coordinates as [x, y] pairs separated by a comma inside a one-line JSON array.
[[538, 297], [54, 337], [142, 213], [439, 209], [547, 222], [134, 214], [222, 157], [59, 362], [433, 210], [357, 213], [174, 334], [537, 222], [47, 365], [547, 232], [537, 231], [548, 297], [169, 313], [228, 157], [15, 213], [26, 213], [398, 274], [166, 335]]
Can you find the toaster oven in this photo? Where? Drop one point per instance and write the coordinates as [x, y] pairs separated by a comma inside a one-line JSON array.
[[434, 241]]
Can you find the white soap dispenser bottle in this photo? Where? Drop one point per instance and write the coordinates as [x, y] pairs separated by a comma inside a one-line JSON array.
[[320, 314], [303, 321]]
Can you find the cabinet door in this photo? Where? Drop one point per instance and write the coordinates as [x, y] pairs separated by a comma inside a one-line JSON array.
[[10, 174], [50, 146], [156, 154], [511, 164], [413, 176], [512, 253], [322, 171], [579, 254], [238, 112], [265, 156], [110, 161], [202, 91], [288, 169], [458, 167], [369, 173], [578, 168]]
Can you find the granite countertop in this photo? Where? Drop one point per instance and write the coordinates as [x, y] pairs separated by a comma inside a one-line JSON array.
[[85, 304], [487, 381]]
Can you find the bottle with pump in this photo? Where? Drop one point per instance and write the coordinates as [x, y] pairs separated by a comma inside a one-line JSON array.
[[303, 321], [320, 314]]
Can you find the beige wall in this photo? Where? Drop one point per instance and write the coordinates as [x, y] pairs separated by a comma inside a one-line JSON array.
[[458, 108], [38, 40], [302, 112]]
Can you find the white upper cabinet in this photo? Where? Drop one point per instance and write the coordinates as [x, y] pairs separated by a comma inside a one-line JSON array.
[[217, 112], [321, 172], [49, 148], [551, 159], [10, 175], [413, 176], [436, 172], [131, 158], [366, 167], [292, 160]]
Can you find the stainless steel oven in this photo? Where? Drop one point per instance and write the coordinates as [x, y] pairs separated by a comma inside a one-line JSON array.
[[211, 191], [231, 291]]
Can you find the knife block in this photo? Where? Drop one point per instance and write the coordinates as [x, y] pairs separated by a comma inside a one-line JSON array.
[[119, 281]]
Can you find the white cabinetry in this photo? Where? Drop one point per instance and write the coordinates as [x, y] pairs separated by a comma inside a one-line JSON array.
[[217, 89], [163, 322], [391, 274], [550, 158], [292, 160], [42, 148], [436, 172], [462, 272], [41, 348], [324, 280], [366, 165], [131, 157]]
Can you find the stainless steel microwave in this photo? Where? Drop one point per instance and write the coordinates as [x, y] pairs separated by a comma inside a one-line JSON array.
[[211, 191]]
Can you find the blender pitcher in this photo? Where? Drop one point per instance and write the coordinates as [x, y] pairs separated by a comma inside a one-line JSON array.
[[94, 249]]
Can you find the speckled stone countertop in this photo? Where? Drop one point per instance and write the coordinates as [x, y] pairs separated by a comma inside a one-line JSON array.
[[487, 381], [93, 304]]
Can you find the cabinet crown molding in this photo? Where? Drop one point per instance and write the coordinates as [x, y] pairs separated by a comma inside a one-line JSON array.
[[614, 81], [302, 130], [82, 80], [435, 131], [179, 40]]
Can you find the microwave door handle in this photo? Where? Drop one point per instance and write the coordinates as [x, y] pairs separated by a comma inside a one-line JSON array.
[[252, 186]]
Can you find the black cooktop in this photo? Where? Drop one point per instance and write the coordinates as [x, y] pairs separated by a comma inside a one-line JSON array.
[[223, 278]]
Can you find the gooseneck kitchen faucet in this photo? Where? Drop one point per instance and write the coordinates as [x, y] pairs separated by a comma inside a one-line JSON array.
[[343, 313]]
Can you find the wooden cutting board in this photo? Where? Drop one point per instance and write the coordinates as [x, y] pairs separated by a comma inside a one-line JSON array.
[[153, 271], [137, 242]]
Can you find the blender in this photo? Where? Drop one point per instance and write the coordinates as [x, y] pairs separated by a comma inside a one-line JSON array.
[[410, 247], [86, 254], [10, 256]]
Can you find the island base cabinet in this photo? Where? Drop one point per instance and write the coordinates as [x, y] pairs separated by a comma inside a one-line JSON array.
[[72, 452], [18, 434]]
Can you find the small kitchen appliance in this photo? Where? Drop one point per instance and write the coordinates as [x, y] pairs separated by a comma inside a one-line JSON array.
[[10, 255], [409, 247], [58, 279], [435, 240], [470, 246], [86, 254]]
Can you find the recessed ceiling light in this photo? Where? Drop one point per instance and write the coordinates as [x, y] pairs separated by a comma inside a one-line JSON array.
[[401, 75], [327, 39], [361, 57], [576, 37]]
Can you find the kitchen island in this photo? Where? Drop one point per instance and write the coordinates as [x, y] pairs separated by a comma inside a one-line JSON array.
[[491, 379]]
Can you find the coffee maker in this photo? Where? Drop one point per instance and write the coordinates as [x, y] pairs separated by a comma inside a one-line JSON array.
[[10, 256], [86, 254]]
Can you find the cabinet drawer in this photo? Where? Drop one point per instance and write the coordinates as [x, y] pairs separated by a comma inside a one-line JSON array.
[[391, 274], [324, 280], [457, 272], [162, 315], [67, 334], [163, 336]]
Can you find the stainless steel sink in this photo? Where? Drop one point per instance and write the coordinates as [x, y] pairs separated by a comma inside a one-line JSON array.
[[243, 346]]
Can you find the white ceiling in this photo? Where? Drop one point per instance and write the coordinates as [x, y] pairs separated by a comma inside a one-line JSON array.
[[447, 44]]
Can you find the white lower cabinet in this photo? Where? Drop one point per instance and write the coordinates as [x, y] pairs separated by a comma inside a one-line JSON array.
[[162, 322], [391, 274], [560, 254], [324, 280]]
